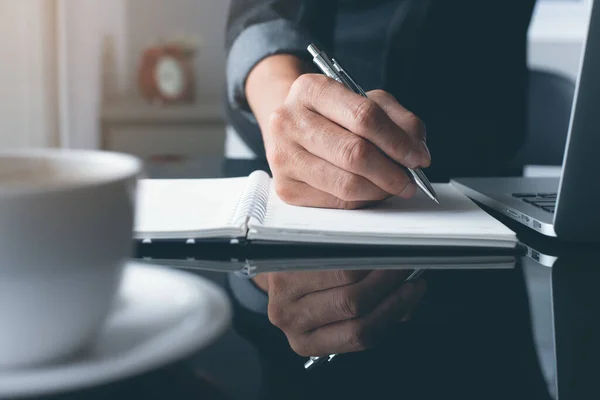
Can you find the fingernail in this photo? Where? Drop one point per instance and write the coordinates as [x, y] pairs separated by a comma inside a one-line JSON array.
[[425, 151]]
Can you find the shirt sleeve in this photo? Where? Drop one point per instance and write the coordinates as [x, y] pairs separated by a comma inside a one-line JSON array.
[[257, 29], [247, 294]]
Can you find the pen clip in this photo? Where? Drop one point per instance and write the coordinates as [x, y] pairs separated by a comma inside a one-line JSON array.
[[324, 63], [348, 81]]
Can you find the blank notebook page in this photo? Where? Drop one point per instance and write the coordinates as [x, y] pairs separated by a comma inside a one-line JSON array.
[[457, 217], [187, 208]]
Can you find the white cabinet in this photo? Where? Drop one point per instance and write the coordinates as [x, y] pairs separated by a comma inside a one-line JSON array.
[[171, 131]]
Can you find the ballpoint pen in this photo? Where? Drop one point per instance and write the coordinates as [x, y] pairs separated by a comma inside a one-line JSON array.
[[316, 361], [332, 69]]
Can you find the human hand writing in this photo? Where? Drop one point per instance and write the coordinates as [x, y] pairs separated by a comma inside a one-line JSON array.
[[329, 147]]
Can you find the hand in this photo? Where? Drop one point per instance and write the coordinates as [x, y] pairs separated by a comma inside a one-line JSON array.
[[328, 147], [335, 312]]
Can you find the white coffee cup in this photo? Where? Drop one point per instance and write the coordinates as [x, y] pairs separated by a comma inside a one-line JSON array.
[[66, 228]]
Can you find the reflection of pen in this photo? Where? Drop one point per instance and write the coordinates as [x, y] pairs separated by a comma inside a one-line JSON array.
[[332, 69], [316, 361]]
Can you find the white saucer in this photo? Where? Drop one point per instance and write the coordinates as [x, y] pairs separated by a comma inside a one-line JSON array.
[[162, 316]]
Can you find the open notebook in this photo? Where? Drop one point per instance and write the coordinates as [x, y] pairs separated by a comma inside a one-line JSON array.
[[249, 208]]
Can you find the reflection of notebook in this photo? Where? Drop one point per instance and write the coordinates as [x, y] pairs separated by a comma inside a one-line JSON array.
[[249, 208], [252, 267]]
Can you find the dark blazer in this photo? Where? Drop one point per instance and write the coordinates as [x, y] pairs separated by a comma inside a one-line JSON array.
[[460, 65]]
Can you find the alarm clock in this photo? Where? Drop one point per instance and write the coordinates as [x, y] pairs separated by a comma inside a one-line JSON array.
[[166, 74]]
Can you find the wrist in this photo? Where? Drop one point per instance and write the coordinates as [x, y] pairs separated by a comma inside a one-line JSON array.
[[269, 83]]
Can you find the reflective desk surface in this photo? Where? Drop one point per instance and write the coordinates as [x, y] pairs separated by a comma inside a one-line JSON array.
[[491, 326]]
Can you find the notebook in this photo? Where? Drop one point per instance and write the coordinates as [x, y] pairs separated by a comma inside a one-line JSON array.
[[248, 208]]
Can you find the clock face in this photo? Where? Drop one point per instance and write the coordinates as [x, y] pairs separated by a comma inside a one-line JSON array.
[[170, 77]]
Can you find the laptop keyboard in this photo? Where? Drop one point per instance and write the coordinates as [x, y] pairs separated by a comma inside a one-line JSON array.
[[545, 201]]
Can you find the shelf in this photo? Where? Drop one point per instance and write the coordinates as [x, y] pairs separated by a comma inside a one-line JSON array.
[[137, 111]]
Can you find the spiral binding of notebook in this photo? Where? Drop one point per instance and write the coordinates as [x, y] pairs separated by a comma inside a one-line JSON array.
[[254, 201]]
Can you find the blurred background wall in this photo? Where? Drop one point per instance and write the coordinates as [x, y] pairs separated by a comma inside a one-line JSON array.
[[70, 71]]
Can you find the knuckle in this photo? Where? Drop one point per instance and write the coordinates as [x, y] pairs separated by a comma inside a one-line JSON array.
[[355, 152], [286, 192], [358, 337], [348, 187], [300, 85], [414, 125], [277, 157], [348, 277], [297, 158], [365, 115], [277, 315], [278, 120], [306, 86], [320, 88], [349, 306]]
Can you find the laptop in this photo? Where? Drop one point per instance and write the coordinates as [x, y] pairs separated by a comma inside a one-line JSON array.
[[566, 207]]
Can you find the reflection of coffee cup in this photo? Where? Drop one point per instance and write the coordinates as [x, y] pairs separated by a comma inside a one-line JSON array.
[[66, 227]]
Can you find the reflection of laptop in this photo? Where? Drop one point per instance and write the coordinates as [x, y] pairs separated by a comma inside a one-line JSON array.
[[567, 207]]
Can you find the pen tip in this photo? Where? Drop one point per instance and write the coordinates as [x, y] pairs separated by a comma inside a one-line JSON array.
[[436, 200]]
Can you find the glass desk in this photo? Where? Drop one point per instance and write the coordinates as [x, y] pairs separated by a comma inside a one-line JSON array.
[[490, 326]]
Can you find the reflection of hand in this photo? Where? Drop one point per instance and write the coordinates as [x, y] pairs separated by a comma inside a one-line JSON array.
[[335, 312]]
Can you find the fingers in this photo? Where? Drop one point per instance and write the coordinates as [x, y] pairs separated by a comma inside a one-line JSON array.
[[410, 294], [286, 287], [362, 333], [403, 118], [359, 115], [328, 147], [345, 302], [300, 165], [354, 154]]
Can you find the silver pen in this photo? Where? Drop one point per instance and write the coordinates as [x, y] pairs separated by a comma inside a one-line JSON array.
[[332, 69], [316, 361]]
